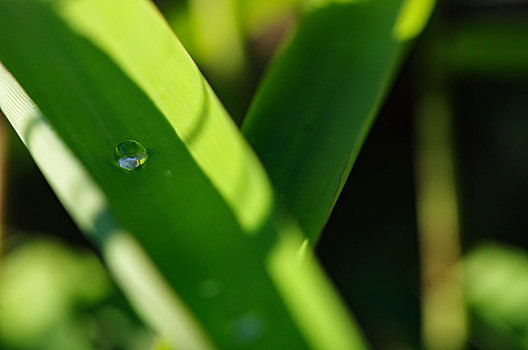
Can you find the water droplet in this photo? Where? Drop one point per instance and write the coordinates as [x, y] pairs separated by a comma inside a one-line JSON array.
[[248, 328], [208, 288], [168, 173], [130, 155]]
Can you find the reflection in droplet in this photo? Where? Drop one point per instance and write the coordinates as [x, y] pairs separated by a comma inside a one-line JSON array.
[[130, 155], [248, 328], [208, 288]]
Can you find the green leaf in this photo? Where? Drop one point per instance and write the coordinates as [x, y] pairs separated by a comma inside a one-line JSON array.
[[316, 105], [56, 297], [496, 285], [191, 234]]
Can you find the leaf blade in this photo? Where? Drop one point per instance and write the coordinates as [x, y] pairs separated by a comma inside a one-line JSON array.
[[313, 111], [200, 208]]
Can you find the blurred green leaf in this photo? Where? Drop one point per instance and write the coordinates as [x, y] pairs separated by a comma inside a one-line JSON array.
[[486, 46], [195, 226], [220, 50], [316, 105], [56, 297], [496, 284], [257, 16], [177, 15], [40, 284]]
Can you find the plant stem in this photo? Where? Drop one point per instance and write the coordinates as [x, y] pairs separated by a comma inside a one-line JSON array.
[[443, 313]]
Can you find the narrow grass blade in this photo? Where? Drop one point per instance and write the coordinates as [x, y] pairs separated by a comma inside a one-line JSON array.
[[191, 234], [316, 105]]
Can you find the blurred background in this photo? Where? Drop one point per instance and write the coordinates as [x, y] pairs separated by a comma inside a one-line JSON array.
[[428, 243]]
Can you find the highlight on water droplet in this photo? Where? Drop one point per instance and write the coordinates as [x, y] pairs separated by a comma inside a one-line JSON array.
[[130, 155]]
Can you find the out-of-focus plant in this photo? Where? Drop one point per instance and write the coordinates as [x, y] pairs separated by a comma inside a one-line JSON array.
[[47, 304]]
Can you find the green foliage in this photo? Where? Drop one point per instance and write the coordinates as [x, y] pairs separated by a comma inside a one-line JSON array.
[[313, 111], [192, 236], [46, 303], [496, 284]]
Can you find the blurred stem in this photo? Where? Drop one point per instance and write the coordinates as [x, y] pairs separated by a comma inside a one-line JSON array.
[[444, 319], [220, 50], [259, 17]]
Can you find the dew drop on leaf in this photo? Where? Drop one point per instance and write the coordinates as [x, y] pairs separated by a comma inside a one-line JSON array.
[[130, 155]]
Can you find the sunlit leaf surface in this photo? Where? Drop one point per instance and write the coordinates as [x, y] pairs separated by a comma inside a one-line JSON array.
[[190, 234]]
